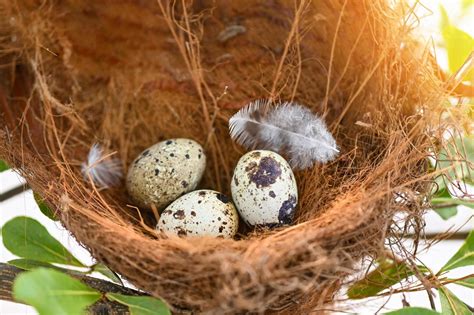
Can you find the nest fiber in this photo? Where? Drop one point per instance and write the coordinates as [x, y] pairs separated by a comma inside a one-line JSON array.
[[128, 74]]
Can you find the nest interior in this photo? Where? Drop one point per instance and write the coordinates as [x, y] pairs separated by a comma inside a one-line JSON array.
[[128, 74]]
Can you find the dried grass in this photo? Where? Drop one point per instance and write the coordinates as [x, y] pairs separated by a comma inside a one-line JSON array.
[[128, 74]]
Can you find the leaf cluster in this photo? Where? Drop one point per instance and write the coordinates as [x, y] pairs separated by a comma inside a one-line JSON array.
[[47, 284], [391, 272]]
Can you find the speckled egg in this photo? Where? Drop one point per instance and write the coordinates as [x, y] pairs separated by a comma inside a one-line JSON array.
[[200, 213], [264, 189], [165, 171]]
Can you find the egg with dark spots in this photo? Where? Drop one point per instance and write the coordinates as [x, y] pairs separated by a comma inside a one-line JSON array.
[[200, 213], [165, 171], [264, 189]]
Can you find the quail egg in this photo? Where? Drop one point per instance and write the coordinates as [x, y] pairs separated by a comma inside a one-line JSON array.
[[165, 171], [200, 213], [264, 189]]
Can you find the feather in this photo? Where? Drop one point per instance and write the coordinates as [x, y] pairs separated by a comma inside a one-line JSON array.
[[104, 171], [285, 127]]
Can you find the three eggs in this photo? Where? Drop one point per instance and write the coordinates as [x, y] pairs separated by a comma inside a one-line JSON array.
[[263, 190]]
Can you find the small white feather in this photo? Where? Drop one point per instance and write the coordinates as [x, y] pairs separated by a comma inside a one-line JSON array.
[[285, 127], [104, 171]]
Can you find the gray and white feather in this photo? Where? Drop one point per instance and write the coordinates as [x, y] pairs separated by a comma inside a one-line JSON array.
[[285, 128], [103, 170]]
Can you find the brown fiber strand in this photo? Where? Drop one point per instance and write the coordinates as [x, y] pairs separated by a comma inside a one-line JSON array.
[[128, 74]]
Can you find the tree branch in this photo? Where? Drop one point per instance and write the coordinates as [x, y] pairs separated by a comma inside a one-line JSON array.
[[8, 274]]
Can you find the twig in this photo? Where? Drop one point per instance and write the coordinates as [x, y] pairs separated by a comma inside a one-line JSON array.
[[13, 192], [8, 273]]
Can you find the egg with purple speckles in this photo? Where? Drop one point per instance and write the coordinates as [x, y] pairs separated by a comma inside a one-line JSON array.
[[165, 171], [264, 189], [200, 213]]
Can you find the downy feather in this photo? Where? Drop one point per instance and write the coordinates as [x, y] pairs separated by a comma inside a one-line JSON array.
[[104, 171], [285, 128]]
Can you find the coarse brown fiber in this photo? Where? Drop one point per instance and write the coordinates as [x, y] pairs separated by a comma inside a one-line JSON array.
[[128, 74]]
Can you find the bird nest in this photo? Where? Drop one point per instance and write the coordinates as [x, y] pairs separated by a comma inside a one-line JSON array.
[[128, 74]]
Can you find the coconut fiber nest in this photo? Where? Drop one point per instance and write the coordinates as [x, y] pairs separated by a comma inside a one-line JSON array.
[[128, 74]]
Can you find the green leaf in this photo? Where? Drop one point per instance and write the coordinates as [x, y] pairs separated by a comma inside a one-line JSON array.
[[459, 44], [29, 264], [387, 274], [446, 212], [44, 208], [413, 311], [3, 166], [441, 204], [53, 292], [140, 305], [452, 201], [27, 238], [457, 159], [464, 256], [450, 304], [104, 270], [468, 282], [466, 4], [446, 205]]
